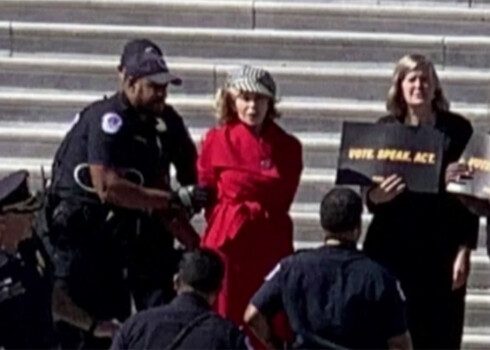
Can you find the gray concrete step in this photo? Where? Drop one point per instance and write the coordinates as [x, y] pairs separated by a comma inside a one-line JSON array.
[[420, 17], [233, 14], [20, 134], [300, 113], [366, 81], [477, 308], [211, 42], [375, 16], [446, 50], [476, 338]]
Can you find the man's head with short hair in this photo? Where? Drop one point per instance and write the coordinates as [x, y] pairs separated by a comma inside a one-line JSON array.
[[200, 271], [340, 213]]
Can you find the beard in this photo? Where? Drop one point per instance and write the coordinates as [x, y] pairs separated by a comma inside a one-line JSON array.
[[152, 108]]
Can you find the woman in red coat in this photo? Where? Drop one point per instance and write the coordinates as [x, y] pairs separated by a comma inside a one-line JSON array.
[[254, 167]]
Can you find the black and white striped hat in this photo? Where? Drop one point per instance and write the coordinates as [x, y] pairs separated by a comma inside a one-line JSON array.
[[252, 79]]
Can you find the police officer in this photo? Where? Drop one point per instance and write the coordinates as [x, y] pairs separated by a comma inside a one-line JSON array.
[[109, 174], [334, 296], [188, 321], [155, 260], [25, 271]]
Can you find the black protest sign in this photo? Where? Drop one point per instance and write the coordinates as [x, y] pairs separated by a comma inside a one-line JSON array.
[[371, 152], [477, 156]]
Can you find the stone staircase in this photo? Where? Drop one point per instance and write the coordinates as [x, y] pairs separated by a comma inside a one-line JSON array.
[[332, 60]]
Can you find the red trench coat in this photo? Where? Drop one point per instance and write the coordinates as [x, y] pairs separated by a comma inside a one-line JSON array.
[[256, 179]]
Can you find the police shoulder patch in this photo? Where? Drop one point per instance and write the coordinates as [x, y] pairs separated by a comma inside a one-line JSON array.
[[111, 123]]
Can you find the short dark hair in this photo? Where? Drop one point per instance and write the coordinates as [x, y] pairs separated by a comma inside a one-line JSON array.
[[341, 210], [202, 269]]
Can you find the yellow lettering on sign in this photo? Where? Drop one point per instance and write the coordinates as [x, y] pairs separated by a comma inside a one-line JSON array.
[[425, 158], [385, 153], [479, 164], [361, 153], [394, 155], [403, 156]]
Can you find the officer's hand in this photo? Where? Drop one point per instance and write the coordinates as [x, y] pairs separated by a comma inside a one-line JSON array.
[[387, 190], [184, 232], [193, 198], [14, 228], [456, 171], [202, 196], [107, 328]]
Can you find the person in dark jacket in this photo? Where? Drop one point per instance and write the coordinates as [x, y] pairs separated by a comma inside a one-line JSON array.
[[25, 271], [335, 297], [424, 239], [111, 215], [188, 321], [154, 257]]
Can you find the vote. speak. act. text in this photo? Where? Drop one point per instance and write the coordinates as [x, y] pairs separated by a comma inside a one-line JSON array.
[[392, 155]]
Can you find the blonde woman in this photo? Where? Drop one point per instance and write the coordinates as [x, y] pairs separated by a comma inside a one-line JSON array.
[[254, 167], [425, 239]]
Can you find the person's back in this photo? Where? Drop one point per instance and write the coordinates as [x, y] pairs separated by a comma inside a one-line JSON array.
[[334, 297], [188, 321], [337, 293], [188, 313]]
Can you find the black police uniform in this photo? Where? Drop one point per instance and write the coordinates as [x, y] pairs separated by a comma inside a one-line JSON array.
[[155, 260], [25, 278], [186, 323], [334, 296], [92, 244], [25, 298]]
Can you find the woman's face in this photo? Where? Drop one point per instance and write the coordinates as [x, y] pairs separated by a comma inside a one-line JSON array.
[[418, 87], [251, 108]]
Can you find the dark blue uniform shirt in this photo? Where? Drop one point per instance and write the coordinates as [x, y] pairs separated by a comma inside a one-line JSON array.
[[110, 132], [157, 328], [335, 293], [25, 298], [90, 242]]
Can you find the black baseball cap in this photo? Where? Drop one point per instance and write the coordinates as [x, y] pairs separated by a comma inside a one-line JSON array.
[[15, 195], [143, 58]]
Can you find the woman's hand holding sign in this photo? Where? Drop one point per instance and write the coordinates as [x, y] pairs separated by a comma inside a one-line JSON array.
[[457, 171], [387, 190]]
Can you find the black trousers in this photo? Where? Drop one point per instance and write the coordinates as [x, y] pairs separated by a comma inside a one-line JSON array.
[[70, 337], [105, 256], [152, 264], [435, 320]]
